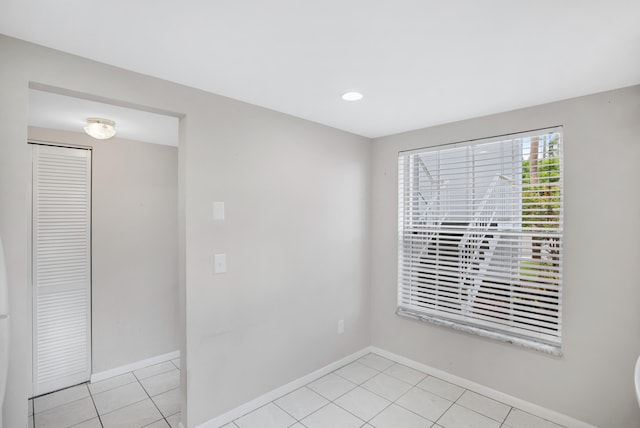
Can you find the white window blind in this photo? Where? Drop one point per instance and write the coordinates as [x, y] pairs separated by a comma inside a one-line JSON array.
[[480, 237]]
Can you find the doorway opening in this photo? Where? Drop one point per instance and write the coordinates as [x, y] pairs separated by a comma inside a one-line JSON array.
[[134, 314]]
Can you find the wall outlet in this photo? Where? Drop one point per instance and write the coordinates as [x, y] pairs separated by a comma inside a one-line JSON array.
[[340, 326]]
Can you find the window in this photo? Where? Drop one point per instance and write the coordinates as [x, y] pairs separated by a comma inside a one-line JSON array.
[[480, 237]]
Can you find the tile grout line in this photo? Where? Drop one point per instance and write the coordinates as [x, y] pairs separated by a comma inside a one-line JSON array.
[[123, 407], [392, 401], [505, 419], [284, 410], [482, 414], [150, 398], [135, 402], [94, 406], [86, 384], [445, 412], [333, 401], [352, 389], [342, 395], [384, 398], [452, 403], [265, 405], [59, 405], [325, 405], [409, 410]]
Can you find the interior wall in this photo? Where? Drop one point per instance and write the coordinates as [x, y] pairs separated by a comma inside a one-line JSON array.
[[134, 247], [296, 236], [14, 229], [593, 380]]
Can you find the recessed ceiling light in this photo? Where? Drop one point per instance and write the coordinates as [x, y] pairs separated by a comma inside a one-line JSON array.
[[101, 129], [352, 96]]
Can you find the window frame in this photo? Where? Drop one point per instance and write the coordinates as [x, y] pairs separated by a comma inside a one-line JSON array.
[[462, 323]]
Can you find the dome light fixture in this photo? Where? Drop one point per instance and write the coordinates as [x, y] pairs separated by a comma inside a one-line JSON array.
[[100, 129], [352, 96]]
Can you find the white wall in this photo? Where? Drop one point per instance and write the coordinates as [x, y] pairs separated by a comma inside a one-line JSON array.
[[296, 235], [134, 247], [601, 321]]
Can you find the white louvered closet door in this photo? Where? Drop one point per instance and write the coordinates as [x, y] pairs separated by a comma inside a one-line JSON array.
[[61, 267]]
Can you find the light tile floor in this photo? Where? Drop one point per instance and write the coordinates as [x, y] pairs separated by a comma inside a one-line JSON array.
[[372, 392], [149, 397]]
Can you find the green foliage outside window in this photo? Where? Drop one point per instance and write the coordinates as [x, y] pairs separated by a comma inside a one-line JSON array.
[[541, 205]]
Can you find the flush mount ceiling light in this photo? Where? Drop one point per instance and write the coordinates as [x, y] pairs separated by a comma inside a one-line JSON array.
[[352, 96], [101, 129]]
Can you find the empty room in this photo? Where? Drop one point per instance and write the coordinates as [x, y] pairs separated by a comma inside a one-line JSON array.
[[319, 215]]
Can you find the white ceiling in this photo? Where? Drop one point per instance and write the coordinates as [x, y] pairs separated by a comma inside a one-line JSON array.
[[418, 62]]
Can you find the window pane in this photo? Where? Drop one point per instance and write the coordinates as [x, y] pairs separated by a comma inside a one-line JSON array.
[[480, 234]]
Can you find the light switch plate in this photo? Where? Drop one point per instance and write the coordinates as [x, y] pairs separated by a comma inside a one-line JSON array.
[[218, 210], [220, 263]]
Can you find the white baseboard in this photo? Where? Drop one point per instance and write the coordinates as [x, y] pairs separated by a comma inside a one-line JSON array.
[[526, 406], [97, 377], [279, 392]]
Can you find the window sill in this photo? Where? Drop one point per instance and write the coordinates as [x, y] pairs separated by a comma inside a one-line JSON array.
[[556, 351]]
